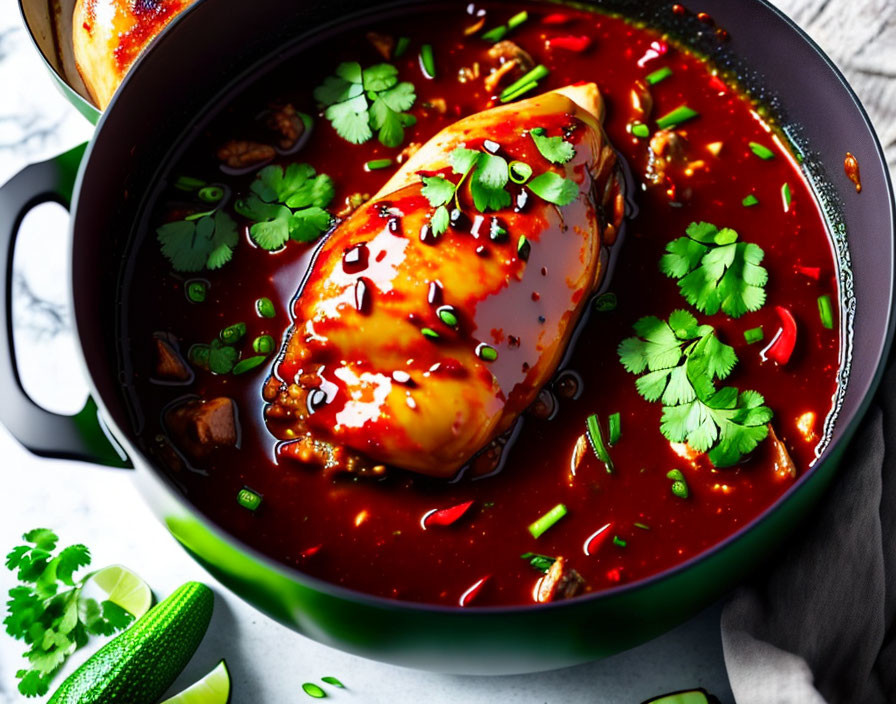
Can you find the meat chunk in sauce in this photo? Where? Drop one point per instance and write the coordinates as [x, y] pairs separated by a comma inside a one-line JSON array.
[[559, 582], [383, 384], [198, 427]]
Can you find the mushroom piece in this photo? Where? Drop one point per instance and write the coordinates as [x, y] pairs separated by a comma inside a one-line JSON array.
[[169, 366], [286, 122], [241, 154]]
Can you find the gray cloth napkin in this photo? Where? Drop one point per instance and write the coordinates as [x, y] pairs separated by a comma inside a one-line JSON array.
[[819, 625]]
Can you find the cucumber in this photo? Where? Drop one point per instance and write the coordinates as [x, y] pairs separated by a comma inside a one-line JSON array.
[[140, 664]]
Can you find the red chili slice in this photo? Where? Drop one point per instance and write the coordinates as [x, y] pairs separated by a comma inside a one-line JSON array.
[[305, 554], [444, 516], [781, 347], [813, 272], [656, 50], [717, 83], [556, 18], [468, 596], [596, 539], [570, 42]]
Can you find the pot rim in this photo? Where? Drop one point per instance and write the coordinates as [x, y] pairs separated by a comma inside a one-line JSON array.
[[356, 596]]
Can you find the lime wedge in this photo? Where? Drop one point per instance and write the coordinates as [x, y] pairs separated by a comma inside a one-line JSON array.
[[120, 586], [214, 688]]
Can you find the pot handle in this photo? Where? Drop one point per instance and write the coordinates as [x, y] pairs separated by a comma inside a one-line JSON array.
[[83, 436]]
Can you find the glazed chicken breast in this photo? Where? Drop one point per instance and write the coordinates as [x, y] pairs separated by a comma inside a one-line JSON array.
[[414, 350], [109, 35]]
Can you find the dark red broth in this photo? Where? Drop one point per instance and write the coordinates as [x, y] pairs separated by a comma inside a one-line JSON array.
[[366, 533]]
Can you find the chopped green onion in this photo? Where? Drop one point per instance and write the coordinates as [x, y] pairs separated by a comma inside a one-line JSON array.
[[786, 197], [430, 334], [761, 151], [199, 355], [547, 520], [614, 428], [597, 442], [619, 541], [333, 681], [642, 526], [750, 201], [312, 690], [672, 119], [196, 291], [447, 315], [825, 311], [517, 19], [198, 216], [661, 74], [233, 333], [520, 91], [265, 307], [535, 75], [523, 248], [520, 172], [753, 335], [542, 563], [495, 34], [248, 499], [248, 364], [263, 344], [427, 61], [606, 302], [211, 194], [639, 129], [679, 483], [188, 183], [486, 352], [376, 164], [401, 46]]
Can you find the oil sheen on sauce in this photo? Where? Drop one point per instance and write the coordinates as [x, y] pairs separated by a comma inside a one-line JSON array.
[[366, 534]]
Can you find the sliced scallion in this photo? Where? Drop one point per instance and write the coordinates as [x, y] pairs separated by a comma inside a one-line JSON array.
[[248, 499], [265, 307], [196, 291], [427, 61], [532, 77], [430, 334], [232, 333], [642, 526], [263, 344], [761, 151], [786, 197], [495, 34], [520, 172], [538, 528], [606, 302], [248, 364], [614, 428], [188, 183], [211, 194], [376, 164], [447, 315], [517, 19], [640, 130], [661, 74], [401, 46], [677, 116], [595, 436], [679, 483], [485, 352], [825, 311], [542, 563], [754, 335], [619, 541], [532, 85], [750, 201]]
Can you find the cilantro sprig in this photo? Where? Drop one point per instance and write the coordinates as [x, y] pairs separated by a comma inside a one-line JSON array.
[[680, 362], [196, 243], [716, 271], [489, 174], [287, 204], [47, 611], [360, 101]]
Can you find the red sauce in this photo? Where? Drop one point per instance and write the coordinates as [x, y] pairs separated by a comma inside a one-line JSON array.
[[367, 534]]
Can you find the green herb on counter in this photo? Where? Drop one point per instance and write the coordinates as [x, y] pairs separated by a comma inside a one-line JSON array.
[[46, 610]]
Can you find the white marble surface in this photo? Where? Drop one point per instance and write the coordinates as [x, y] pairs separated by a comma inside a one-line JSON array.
[[102, 509]]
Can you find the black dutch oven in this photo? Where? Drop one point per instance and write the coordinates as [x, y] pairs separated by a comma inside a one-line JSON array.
[[216, 46]]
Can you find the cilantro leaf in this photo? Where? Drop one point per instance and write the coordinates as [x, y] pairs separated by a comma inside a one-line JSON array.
[[463, 159], [437, 190], [715, 271], [680, 363], [287, 204], [360, 101], [191, 245], [554, 188], [555, 149], [440, 220], [52, 623]]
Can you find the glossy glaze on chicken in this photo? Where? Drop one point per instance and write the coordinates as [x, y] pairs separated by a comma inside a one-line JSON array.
[[401, 345]]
